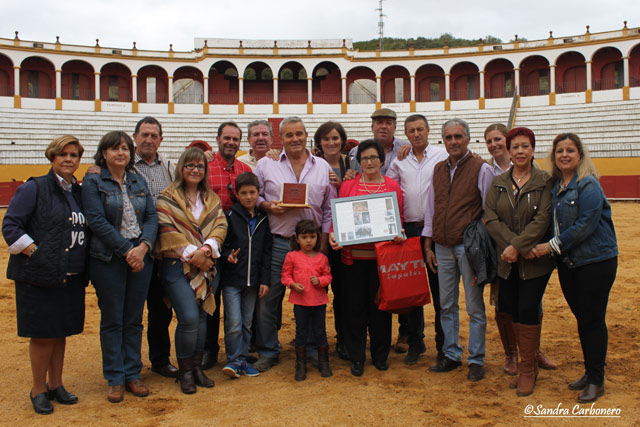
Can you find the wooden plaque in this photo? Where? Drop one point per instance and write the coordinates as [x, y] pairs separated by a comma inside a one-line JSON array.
[[294, 195]]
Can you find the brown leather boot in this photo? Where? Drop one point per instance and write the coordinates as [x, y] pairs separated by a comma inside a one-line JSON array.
[[323, 362], [508, 338], [201, 379], [528, 340], [185, 375], [301, 363], [543, 361]]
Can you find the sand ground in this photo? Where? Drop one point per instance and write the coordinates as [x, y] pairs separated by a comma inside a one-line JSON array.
[[402, 395]]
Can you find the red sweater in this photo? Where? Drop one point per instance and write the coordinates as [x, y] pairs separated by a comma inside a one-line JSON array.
[[353, 187], [298, 268]]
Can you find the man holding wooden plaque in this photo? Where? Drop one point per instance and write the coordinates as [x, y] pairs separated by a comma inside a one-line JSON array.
[[309, 198]]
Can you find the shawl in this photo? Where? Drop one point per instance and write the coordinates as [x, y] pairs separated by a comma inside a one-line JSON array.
[[178, 228]]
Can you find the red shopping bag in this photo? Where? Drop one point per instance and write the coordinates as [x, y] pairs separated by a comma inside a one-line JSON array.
[[403, 275]]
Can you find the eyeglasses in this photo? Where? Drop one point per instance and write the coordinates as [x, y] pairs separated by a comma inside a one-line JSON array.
[[371, 159], [191, 166]]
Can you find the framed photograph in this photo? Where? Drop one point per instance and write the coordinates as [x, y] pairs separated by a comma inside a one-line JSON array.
[[366, 219]]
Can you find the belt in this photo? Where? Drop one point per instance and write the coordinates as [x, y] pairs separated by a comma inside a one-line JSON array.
[[281, 237], [415, 224]]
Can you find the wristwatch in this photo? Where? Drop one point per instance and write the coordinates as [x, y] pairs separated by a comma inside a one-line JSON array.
[[31, 252]]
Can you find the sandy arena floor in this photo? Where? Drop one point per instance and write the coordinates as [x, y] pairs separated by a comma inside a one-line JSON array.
[[400, 396]]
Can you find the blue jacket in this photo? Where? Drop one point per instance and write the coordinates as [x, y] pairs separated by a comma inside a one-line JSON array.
[[583, 217], [103, 208]]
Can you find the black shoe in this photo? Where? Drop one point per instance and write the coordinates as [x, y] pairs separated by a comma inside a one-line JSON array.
[[381, 366], [357, 369], [591, 393], [62, 396], [167, 370], [251, 359], [476, 372], [342, 351], [265, 363], [209, 358], [414, 354], [41, 403], [579, 384], [445, 365]]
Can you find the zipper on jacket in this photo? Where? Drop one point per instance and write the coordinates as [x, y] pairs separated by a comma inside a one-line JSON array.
[[250, 234]]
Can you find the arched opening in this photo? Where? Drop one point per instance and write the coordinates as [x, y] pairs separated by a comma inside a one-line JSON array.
[[498, 79], [571, 73], [396, 84], [466, 81], [292, 89], [153, 85], [223, 83], [188, 86], [115, 83], [607, 69], [327, 84], [361, 84], [430, 83], [6, 76], [37, 78], [258, 84], [634, 66], [534, 76], [78, 81]]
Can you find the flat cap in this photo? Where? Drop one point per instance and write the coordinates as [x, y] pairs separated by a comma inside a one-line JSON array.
[[384, 112]]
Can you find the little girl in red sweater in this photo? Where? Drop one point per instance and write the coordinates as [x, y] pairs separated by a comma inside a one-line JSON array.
[[306, 272]]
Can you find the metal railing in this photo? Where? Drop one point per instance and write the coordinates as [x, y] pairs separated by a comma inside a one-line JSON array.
[[514, 109]]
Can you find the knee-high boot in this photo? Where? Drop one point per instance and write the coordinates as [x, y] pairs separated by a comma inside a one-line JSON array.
[[185, 375], [509, 342], [543, 361], [301, 363], [528, 340]]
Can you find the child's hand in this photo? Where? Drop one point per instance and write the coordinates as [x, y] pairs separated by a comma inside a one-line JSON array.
[[315, 280], [298, 287], [233, 256]]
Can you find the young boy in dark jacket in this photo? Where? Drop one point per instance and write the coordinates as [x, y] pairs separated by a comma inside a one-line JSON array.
[[246, 271]]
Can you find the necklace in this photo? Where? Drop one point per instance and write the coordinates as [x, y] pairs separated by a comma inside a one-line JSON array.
[[365, 186], [190, 200], [521, 178]]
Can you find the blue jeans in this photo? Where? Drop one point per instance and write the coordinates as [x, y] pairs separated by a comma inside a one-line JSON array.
[[452, 263], [239, 304], [121, 296], [192, 322]]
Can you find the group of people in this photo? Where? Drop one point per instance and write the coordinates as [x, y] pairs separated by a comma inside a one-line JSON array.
[[212, 230]]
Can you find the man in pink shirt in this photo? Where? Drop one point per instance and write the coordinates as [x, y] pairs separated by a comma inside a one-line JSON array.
[[295, 165]]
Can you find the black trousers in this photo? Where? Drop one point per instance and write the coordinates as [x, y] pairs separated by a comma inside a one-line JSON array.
[[310, 323], [213, 326], [158, 320], [363, 313], [339, 297], [522, 298], [586, 290], [414, 329]]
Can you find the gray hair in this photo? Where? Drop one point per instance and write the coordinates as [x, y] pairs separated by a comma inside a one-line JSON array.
[[457, 122], [260, 122], [290, 120]]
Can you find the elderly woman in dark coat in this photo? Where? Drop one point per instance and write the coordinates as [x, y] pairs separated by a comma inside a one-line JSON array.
[[45, 229]]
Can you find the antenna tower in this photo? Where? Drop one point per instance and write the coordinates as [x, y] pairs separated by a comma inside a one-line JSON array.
[[380, 24]]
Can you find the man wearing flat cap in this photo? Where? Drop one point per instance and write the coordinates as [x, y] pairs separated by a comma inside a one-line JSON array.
[[383, 126]]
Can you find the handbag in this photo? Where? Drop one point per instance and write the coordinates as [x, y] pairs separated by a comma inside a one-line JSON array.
[[404, 283]]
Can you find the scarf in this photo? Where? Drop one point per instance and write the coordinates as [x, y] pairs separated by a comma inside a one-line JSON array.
[[178, 228]]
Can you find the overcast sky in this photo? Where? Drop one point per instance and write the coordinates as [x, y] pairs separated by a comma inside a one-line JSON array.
[[155, 24]]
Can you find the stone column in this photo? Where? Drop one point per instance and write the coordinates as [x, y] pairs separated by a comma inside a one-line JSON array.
[[205, 95], [170, 104], [481, 97], [276, 107], [625, 68], [240, 95], [588, 94], [58, 89], [97, 101], [17, 100], [134, 93], [412, 104], [378, 92], [343, 105], [447, 92], [552, 85], [309, 95]]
